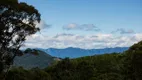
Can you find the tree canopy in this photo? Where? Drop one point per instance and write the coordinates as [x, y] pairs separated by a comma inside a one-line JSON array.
[[17, 20]]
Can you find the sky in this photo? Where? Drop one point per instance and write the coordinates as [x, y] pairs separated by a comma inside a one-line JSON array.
[[87, 24]]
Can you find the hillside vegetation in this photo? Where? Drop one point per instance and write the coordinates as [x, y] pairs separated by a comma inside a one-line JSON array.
[[28, 61], [115, 66]]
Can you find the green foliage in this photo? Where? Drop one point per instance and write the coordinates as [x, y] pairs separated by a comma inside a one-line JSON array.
[[22, 74], [31, 51], [133, 62]]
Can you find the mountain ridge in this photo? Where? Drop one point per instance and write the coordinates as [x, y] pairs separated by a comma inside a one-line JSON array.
[[29, 60], [72, 52]]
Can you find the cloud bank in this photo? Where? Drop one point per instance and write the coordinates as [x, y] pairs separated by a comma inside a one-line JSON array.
[[83, 27], [123, 31], [86, 41]]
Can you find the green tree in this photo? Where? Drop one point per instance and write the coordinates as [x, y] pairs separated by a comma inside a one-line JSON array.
[[17, 20], [133, 62], [38, 74]]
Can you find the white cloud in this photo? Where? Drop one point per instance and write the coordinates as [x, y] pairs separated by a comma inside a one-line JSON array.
[[86, 41], [123, 31], [84, 27], [43, 25]]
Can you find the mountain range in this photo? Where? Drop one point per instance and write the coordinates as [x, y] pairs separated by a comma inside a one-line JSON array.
[[78, 52]]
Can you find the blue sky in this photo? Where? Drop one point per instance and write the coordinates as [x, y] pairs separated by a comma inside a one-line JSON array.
[[121, 18]]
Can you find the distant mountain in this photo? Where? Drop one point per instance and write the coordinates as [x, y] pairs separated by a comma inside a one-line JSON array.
[[77, 52], [28, 61]]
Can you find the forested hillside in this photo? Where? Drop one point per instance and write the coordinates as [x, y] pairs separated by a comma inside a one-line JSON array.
[[122, 66], [28, 61]]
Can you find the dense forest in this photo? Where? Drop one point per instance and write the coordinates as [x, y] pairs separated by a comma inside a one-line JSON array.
[[115, 66]]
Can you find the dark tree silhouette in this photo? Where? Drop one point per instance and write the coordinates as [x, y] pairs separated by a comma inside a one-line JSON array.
[[17, 20]]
